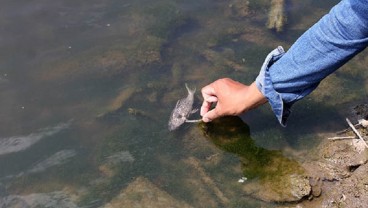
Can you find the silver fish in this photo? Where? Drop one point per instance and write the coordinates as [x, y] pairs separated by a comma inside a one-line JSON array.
[[182, 110]]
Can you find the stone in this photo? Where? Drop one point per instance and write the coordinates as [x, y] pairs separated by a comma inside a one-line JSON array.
[[141, 193]]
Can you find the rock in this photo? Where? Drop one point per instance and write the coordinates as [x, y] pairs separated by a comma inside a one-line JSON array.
[[47, 200], [108, 167], [121, 98], [117, 102], [142, 193], [337, 159], [277, 15], [287, 188], [223, 59], [350, 192], [238, 8], [207, 180], [316, 185], [361, 111]]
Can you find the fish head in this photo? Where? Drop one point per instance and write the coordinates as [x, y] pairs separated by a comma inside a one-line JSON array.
[[176, 120]]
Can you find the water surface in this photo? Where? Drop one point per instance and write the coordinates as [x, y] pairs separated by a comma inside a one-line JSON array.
[[87, 88]]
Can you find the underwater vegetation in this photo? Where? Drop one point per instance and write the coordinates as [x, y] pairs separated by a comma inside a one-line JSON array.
[[284, 178], [231, 134]]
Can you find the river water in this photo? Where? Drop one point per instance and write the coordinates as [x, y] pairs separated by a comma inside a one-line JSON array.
[[87, 87]]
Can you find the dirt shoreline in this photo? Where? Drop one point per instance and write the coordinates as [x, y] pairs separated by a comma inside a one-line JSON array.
[[338, 175]]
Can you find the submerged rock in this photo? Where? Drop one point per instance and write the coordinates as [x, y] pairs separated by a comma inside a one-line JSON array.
[[207, 180], [110, 165], [271, 176], [238, 8], [277, 15], [142, 193], [223, 59], [46, 200]]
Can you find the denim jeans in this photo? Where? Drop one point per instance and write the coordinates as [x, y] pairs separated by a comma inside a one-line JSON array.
[[336, 38]]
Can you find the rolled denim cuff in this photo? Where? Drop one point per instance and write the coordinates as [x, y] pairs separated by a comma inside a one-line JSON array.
[[264, 84]]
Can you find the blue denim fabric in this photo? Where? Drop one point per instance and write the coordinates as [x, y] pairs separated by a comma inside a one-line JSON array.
[[337, 37]]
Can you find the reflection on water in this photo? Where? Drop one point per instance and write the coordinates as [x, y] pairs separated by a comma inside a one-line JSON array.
[[116, 69], [20, 143]]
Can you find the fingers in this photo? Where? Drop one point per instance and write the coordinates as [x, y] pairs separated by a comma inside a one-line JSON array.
[[210, 115], [210, 97], [208, 91], [207, 103]]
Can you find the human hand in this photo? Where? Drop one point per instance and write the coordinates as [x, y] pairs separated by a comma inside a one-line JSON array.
[[231, 98]]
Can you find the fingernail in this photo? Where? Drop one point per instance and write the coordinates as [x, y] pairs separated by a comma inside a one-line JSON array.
[[206, 120]]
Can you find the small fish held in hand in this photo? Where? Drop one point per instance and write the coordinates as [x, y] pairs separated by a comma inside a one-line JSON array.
[[182, 110]]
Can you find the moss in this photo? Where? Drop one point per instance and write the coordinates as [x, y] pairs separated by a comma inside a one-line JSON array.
[[232, 135]]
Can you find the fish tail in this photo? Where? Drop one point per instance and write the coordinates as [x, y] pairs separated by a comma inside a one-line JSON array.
[[190, 91]]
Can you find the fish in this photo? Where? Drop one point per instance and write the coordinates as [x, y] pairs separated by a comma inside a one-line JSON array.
[[182, 110]]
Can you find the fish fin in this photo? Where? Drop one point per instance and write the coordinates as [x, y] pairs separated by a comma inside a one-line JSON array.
[[177, 104], [190, 91]]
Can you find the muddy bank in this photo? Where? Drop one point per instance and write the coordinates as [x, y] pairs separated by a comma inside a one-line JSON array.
[[338, 174]]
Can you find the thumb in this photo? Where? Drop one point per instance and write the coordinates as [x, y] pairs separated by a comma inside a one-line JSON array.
[[211, 115]]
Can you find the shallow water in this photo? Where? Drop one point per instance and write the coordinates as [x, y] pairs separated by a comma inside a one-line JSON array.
[[100, 78]]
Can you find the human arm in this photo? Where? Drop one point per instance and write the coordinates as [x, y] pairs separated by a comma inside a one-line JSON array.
[[325, 47], [331, 42]]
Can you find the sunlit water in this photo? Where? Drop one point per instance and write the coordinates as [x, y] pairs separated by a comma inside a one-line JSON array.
[[87, 87]]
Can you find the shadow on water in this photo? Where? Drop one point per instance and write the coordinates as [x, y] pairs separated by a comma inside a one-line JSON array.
[[271, 176], [308, 118], [232, 135]]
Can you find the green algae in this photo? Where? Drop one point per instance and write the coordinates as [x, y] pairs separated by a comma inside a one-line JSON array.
[[232, 135], [271, 175]]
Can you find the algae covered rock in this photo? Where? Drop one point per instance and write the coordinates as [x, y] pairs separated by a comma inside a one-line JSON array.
[[271, 176]]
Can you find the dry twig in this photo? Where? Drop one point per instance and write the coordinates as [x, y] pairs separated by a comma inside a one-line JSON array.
[[340, 138], [356, 132]]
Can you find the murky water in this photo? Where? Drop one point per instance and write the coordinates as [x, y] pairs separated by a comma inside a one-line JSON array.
[[87, 88]]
